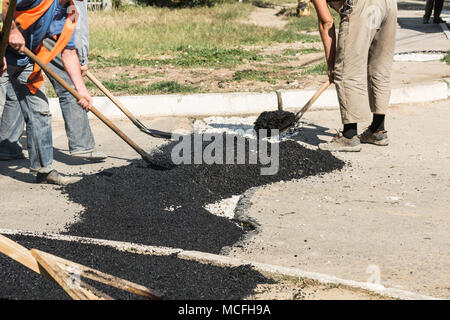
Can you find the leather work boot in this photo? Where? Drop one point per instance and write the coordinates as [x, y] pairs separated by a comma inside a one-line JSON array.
[[378, 138], [342, 144], [53, 177]]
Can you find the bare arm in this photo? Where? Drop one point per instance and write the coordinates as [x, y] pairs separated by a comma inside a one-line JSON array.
[[72, 65], [16, 40], [327, 33]]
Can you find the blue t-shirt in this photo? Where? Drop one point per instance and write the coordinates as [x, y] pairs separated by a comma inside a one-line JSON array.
[[50, 24]]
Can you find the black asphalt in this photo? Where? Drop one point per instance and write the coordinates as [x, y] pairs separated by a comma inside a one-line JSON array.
[[278, 119], [175, 278], [128, 203]]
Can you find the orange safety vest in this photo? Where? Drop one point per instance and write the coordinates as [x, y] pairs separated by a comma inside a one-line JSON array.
[[24, 19]]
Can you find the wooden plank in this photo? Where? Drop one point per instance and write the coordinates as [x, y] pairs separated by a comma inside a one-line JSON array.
[[82, 291], [18, 253], [56, 269], [110, 280]]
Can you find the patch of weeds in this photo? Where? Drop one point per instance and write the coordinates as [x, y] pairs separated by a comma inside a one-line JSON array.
[[186, 57], [254, 75], [318, 69], [292, 35], [213, 57], [295, 52], [304, 23], [262, 4], [446, 59], [172, 87], [284, 68], [127, 87], [102, 62], [160, 87], [277, 58], [90, 85]]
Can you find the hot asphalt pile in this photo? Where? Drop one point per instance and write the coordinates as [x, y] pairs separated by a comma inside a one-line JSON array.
[[274, 120], [138, 204], [175, 278]]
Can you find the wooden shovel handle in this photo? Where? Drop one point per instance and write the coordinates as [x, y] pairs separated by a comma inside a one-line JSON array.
[[6, 29], [78, 96], [313, 99], [110, 96]]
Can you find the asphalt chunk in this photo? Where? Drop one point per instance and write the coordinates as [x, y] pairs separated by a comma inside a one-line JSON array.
[[138, 204], [278, 119], [175, 278]]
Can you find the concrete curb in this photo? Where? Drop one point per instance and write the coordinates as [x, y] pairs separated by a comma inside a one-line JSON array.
[[225, 261], [231, 104]]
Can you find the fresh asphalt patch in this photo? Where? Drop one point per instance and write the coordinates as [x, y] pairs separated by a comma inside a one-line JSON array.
[[175, 278], [166, 208]]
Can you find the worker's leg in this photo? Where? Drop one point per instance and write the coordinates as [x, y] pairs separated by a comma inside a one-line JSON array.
[[3, 81], [381, 56], [428, 10], [439, 4], [355, 38], [37, 117], [356, 32], [11, 125], [79, 134]]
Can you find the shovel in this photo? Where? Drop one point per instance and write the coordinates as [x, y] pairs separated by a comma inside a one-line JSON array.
[[136, 122], [283, 120], [99, 115]]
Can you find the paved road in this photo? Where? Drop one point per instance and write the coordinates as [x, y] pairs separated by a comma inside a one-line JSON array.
[[389, 208]]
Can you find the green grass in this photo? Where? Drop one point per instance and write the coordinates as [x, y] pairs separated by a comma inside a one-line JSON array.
[[447, 58], [146, 32], [213, 57], [160, 87], [254, 75], [294, 52], [186, 57], [318, 69]]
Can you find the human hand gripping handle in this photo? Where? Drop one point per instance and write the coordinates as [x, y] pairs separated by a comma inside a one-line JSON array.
[[72, 65], [8, 9]]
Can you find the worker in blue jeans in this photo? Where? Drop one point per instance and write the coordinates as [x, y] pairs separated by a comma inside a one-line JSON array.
[[36, 20], [79, 134]]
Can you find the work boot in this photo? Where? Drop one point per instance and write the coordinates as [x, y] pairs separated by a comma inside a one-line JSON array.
[[93, 155], [53, 177], [342, 144], [378, 138]]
